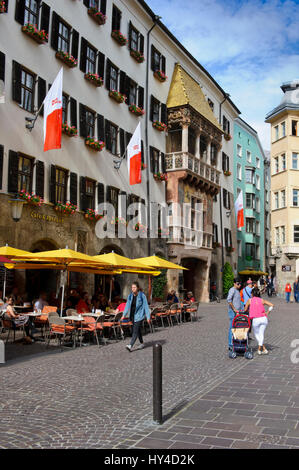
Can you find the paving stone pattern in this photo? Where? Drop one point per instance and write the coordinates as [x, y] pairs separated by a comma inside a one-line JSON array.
[[102, 398]]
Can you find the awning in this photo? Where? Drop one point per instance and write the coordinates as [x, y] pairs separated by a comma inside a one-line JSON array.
[[252, 272]]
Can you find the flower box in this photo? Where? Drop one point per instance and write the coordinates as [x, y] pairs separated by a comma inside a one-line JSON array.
[[94, 78], [31, 30], [2, 7], [230, 249], [67, 58], [32, 199], [67, 208], [216, 245], [92, 215], [161, 176], [159, 75], [160, 126], [119, 37], [117, 96], [227, 173], [70, 131], [136, 110], [227, 137], [97, 15], [97, 145], [138, 56]]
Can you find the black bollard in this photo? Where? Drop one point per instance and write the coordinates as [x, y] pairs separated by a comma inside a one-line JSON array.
[[157, 383]]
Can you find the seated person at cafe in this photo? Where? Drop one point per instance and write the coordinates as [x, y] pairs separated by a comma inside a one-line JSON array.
[[74, 298], [83, 305], [18, 320], [41, 302], [103, 302], [190, 298], [172, 298]]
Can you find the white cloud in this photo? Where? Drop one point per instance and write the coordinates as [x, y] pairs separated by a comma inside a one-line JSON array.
[[249, 47]]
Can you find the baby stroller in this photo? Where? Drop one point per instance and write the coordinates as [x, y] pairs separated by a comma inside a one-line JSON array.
[[240, 329]]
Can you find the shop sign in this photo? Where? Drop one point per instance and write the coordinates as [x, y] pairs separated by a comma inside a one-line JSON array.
[[286, 268], [47, 218]]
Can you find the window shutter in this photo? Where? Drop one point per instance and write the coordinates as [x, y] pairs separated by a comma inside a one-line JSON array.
[[45, 17], [108, 194], [163, 162], [164, 113], [108, 135], [1, 164], [2, 66], [130, 35], [75, 43], [153, 58], [83, 126], [73, 108], [223, 161], [101, 128], [101, 65], [83, 198], [152, 109], [40, 178], [74, 189], [128, 138], [54, 32], [122, 82], [86, 3], [141, 97], [16, 81], [152, 163], [122, 142], [13, 165], [141, 43], [101, 193], [42, 91], [53, 184], [20, 11], [163, 64], [83, 55], [108, 72], [104, 6]]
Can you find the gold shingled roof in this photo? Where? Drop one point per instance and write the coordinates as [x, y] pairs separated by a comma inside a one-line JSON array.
[[185, 90]]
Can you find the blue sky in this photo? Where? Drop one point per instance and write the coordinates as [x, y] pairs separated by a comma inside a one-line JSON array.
[[250, 47]]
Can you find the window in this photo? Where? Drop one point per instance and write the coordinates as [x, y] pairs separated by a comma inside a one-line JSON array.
[[211, 104], [239, 248], [276, 132], [267, 195], [295, 128], [257, 204], [250, 201], [276, 201], [136, 39], [225, 162], [248, 156], [154, 160], [91, 57], [258, 251], [116, 18], [295, 161], [283, 234], [283, 129], [90, 190], [239, 172], [155, 109], [113, 136], [158, 111], [158, 61], [250, 250], [60, 185], [283, 162], [249, 174], [226, 125], [25, 170], [238, 192], [191, 141], [250, 225], [258, 182], [27, 90], [31, 12], [215, 233], [258, 162], [113, 78], [257, 228], [277, 236], [239, 150], [63, 37], [295, 197], [227, 238], [132, 93], [283, 198], [296, 233], [276, 165], [90, 123], [196, 214], [226, 199], [64, 108]]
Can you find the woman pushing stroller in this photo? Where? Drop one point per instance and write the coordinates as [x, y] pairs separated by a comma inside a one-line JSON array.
[[259, 317]]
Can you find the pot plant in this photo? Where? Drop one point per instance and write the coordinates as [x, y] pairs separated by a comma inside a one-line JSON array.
[[97, 145], [136, 110], [94, 78], [160, 176], [159, 126], [227, 136], [71, 131], [67, 58], [138, 56], [97, 15], [119, 37], [92, 215], [161, 76], [32, 199], [40, 36], [2, 7], [227, 173], [117, 96]]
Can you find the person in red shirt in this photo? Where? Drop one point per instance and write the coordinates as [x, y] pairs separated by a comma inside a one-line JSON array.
[[190, 299], [288, 291], [83, 305]]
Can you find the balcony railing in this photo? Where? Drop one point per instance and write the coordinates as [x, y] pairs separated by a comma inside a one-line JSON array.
[[190, 238], [186, 161]]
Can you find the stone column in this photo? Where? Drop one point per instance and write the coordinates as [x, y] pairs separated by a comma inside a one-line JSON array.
[[208, 151], [185, 146], [197, 148]]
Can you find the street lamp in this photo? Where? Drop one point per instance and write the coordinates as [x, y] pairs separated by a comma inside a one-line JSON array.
[[16, 208]]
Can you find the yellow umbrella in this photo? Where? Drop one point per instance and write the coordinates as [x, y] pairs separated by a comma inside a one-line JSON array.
[[9, 253], [123, 263], [64, 256], [156, 262], [70, 268]]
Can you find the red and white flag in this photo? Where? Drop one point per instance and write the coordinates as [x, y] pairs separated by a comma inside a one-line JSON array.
[[53, 115], [239, 208], [134, 157]]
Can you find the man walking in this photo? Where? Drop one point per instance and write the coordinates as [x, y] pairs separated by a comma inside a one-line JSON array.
[[296, 290], [234, 306], [137, 309]]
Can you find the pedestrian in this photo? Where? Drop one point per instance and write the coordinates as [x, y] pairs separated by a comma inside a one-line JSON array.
[[288, 290], [296, 290], [247, 291], [269, 286], [259, 318], [137, 310], [234, 307]]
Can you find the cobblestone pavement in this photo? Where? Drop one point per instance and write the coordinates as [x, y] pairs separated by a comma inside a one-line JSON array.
[[102, 398]]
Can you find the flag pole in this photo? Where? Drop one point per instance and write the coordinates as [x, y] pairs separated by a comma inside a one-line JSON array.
[[32, 121], [117, 165]]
